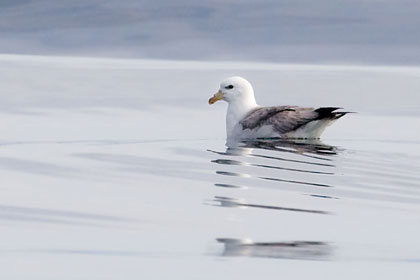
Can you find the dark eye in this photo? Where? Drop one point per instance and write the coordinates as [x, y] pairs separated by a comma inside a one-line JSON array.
[[229, 87]]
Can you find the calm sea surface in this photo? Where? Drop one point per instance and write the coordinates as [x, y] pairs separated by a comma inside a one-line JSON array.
[[114, 169]]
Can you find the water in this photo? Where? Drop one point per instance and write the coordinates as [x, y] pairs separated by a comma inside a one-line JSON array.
[[119, 169]]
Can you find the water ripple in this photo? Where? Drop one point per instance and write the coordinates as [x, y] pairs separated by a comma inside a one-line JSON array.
[[232, 202], [307, 250], [236, 162]]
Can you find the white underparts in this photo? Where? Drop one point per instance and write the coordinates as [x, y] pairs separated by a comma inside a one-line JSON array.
[[235, 113]]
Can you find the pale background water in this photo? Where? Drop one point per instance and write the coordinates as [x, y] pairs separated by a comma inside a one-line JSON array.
[[118, 169], [325, 31]]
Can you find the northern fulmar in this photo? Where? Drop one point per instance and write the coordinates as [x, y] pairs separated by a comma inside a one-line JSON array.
[[246, 120]]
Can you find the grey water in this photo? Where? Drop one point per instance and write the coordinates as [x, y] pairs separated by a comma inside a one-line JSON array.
[[119, 169]]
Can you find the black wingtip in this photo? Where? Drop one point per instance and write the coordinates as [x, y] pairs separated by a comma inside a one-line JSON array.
[[329, 113], [326, 112]]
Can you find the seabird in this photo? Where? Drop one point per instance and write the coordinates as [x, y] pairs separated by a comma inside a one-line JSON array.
[[246, 120]]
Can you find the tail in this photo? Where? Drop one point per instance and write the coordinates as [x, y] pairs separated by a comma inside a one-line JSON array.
[[314, 128]]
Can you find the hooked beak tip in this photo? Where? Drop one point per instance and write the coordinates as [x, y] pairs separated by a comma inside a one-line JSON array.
[[218, 96]]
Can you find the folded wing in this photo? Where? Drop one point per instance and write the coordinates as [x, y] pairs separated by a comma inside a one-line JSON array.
[[285, 119]]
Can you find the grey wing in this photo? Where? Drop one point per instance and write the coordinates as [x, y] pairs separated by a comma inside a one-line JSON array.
[[261, 115], [284, 119]]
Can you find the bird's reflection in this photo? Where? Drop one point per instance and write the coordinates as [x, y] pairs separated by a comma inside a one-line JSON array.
[[308, 147], [308, 250], [298, 165]]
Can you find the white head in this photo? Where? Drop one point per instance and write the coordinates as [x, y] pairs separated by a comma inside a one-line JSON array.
[[235, 90]]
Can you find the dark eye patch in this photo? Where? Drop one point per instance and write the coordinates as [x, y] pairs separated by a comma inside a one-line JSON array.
[[229, 87]]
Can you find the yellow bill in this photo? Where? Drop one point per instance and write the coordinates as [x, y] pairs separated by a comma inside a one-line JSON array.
[[218, 96]]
